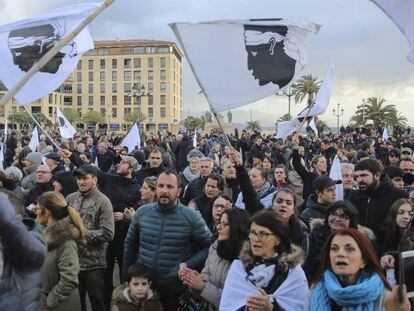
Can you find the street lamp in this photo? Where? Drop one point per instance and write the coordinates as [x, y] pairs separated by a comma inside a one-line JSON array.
[[337, 113], [289, 94], [138, 91]]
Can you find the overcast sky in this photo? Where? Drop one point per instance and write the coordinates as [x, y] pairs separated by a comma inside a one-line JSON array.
[[368, 50]]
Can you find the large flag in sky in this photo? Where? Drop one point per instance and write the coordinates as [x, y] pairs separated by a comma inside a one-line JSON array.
[[25, 42], [65, 128], [237, 62], [34, 141], [133, 138], [401, 12]]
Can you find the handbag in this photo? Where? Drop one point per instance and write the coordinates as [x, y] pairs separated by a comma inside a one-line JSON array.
[[190, 302]]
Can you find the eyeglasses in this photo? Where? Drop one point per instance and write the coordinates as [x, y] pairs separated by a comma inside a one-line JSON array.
[[261, 236], [341, 217], [393, 156], [42, 172], [222, 225]]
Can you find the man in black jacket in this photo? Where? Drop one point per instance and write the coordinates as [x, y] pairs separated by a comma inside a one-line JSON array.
[[105, 156], [375, 195], [154, 166], [195, 187]]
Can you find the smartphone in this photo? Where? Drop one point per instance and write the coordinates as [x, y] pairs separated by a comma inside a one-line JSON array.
[[406, 273]]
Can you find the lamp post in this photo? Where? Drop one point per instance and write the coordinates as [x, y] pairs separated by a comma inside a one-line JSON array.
[[337, 113], [138, 91], [288, 93]]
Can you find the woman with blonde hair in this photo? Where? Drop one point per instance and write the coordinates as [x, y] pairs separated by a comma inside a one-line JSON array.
[[64, 228]]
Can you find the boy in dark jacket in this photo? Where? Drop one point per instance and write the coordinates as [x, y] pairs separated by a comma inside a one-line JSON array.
[[136, 294]]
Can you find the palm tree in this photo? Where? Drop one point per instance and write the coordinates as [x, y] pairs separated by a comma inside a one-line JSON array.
[[306, 87], [285, 117], [396, 120], [253, 126], [375, 109], [321, 125]]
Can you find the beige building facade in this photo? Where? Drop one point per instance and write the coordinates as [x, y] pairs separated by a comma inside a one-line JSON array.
[[110, 79]]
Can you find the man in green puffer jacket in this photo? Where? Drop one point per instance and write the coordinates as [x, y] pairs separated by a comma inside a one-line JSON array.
[[163, 235]]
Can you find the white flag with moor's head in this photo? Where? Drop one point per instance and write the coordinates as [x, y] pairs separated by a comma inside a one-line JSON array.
[[65, 128], [25, 42], [239, 62]]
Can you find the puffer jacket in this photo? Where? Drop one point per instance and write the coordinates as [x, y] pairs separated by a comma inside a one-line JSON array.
[[373, 206], [97, 216], [162, 238], [61, 268]]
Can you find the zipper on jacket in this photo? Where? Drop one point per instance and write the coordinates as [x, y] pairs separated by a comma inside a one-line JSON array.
[[159, 240], [366, 213]]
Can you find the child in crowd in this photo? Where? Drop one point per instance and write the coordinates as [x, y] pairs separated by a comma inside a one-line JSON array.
[[136, 293]]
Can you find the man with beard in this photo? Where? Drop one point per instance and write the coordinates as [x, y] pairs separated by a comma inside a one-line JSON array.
[[154, 166], [375, 195], [95, 210], [164, 235]]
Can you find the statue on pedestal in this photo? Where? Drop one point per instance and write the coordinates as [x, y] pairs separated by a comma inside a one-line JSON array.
[[229, 116]]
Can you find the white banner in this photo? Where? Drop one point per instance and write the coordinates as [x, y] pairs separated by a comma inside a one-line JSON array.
[[385, 135], [132, 139], [401, 12], [195, 139], [240, 62], [336, 174], [323, 96], [34, 141], [25, 42], [65, 128], [287, 128]]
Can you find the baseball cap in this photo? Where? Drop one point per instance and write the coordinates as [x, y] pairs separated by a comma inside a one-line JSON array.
[[103, 144], [85, 170], [322, 182], [406, 149], [131, 161]]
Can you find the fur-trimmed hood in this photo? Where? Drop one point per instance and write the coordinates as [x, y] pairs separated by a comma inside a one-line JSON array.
[[121, 294], [286, 261], [319, 223], [61, 231]]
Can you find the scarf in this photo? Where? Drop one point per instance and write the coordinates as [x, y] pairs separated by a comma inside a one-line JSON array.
[[358, 297], [264, 190], [189, 175]]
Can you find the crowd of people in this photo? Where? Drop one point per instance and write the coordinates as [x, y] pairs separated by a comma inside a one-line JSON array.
[[171, 226]]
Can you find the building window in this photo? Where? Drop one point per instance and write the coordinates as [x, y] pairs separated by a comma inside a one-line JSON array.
[[150, 112], [127, 87], [137, 75], [127, 100], [163, 112], [90, 88], [163, 87], [163, 75], [102, 76], [150, 87], [102, 100], [79, 76], [127, 111], [90, 76], [79, 100], [114, 88], [50, 98], [114, 112], [50, 111], [79, 88], [90, 100], [150, 62], [163, 100], [90, 64], [103, 51], [102, 87], [163, 62], [67, 100], [114, 76], [163, 49], [150, 100], [150, 75], [114, 100], [102, 64], [137, 62], [139, 50], [127, 75], [79, 66], [137, 101], [150, 50], [114, 63], [127, 63]]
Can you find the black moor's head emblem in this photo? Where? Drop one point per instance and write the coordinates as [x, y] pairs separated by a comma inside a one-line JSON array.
[[267, 57], [28, 45], [61, 122]]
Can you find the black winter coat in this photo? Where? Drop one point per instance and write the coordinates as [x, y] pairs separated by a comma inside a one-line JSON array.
[[181, 153], [105, 160], [194, 189], [148, 171], [307, 177], [313, 210]]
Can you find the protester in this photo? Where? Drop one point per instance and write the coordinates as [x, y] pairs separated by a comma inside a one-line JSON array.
[[31, 163], [195, 187], [65, 183], [154, 167], [44, 183]]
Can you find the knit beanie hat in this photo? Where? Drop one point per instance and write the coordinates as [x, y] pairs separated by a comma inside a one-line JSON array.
[[35, 158]]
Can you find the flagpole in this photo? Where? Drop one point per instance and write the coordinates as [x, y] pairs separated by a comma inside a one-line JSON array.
[[49, 55], [38, 124]]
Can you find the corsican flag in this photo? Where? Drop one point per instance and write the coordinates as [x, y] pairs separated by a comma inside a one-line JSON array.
[[385, 134], [65, 128], [287, 128], [336, 174], [195, 139], [133, 139], [322, 97], [401, 12], [312, 125], [237, 62], [23, 43], [34, 141]]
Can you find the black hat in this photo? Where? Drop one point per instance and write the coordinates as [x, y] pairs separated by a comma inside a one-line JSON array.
[[408, 178], [53, 155], [258, 155], [85, 170], [322, 182]]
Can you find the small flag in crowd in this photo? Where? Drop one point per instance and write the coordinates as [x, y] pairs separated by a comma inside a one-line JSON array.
[[65, 128], [195, 139], [237, 62], [132, 139], [2, 156], [385, 135], [34, 141], [287, 128], [25, 42], [312, 125], [401, 13], [336, 174]]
